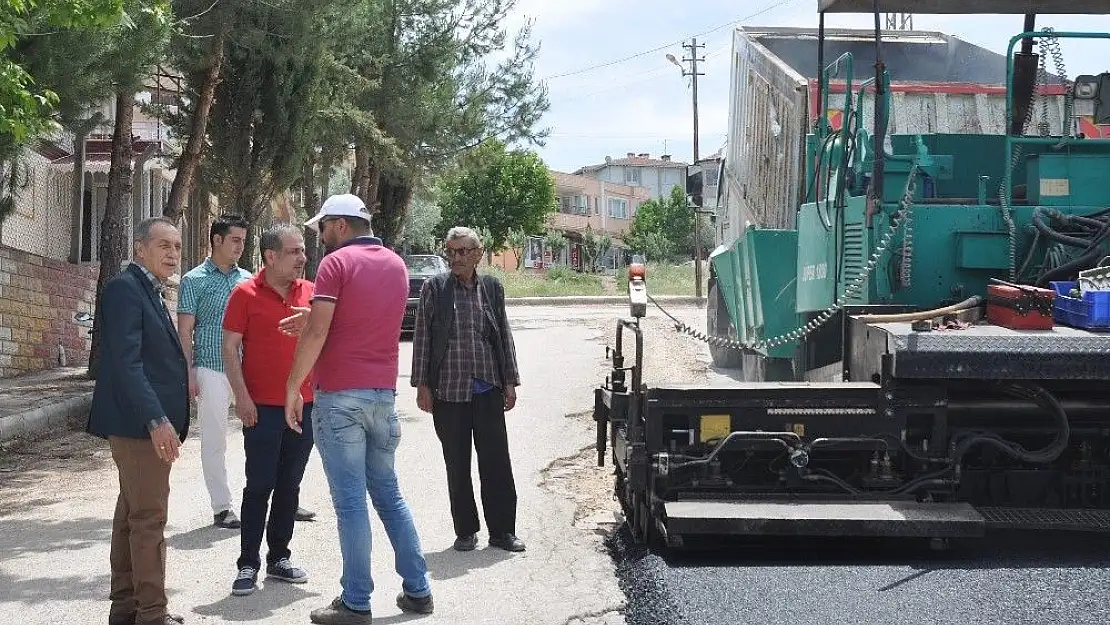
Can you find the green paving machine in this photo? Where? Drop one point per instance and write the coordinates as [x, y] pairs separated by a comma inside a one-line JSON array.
[[920, 354]]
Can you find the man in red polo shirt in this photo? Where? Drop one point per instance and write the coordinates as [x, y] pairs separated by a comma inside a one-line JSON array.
[[276, 455]]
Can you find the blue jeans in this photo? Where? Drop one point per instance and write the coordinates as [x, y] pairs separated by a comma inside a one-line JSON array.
[[356, 433]]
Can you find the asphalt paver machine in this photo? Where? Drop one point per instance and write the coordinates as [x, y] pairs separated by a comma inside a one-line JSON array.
[[921, 354]]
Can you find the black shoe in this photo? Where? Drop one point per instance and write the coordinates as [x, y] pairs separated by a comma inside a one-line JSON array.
[[227, 520], [508, 542], [305, 515], [246, 582], [419, 605], [466, 543]]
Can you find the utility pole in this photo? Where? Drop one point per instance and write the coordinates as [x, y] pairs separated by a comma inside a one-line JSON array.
[[693, 73]]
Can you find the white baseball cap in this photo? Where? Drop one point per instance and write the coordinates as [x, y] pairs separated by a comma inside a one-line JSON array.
[[342, 205]]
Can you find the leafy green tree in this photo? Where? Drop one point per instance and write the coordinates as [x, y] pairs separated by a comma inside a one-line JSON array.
[[517, 241], [198, 50], [421, 223], [594, 246], [500, 191], [26, 106], [421, 88], [663, 229], [268, 91], [554, 242]]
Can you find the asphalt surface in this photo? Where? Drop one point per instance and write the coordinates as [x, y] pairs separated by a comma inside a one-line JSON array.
[[1006, 578]]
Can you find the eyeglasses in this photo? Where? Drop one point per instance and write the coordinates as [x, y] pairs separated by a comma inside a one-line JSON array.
[[459, 251]]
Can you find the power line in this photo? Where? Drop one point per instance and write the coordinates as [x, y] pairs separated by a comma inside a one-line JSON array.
[[591, 68], [639, 78]]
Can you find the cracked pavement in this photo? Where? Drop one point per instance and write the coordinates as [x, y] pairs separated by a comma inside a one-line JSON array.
[[56, 511]]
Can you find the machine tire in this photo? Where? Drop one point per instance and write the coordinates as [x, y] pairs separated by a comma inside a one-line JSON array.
[[718, 323]]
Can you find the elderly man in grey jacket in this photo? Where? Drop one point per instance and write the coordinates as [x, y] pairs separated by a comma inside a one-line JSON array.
[[465, 371]]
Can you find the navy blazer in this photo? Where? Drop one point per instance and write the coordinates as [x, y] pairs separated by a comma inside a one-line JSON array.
[[142, 373]]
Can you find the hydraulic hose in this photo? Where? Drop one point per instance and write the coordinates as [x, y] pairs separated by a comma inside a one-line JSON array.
[[1044, 229], [1048, 454], [967, 304], [1067, 268], [1042, 456]]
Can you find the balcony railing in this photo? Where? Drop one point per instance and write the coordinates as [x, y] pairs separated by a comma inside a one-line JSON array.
[[564, 221]]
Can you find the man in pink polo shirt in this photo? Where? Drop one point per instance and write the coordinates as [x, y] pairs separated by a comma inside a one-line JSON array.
[[351, 342]]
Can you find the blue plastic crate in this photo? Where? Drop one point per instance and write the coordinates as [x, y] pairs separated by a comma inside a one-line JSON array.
[[1092, 312]]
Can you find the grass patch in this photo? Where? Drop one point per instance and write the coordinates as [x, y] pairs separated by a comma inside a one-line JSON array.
[[561, 281], [674, 279], [557, 281]]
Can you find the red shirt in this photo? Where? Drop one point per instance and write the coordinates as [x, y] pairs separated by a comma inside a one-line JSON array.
[[369, 285], [254, 310]]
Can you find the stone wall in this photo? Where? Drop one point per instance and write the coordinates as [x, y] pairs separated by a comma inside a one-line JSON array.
[[40, 300]]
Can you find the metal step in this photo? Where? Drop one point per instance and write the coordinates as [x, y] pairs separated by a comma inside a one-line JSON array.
[[1076, 520], [824, 518]]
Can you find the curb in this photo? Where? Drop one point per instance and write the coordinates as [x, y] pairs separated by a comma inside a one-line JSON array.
[[600, 300], [38, 420]]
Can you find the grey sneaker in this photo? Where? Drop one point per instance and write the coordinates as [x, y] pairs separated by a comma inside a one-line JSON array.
[[245, 583], [337, 613], [419, 605], [226, 520], [284, 570]]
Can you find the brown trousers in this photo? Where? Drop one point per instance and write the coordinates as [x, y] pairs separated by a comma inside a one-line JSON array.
[[138, 532]]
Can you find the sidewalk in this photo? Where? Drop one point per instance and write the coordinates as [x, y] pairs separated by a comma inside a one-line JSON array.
[[33, 403]]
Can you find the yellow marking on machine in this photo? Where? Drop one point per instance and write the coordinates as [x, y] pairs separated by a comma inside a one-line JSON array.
[[715, 426], [800, 429]]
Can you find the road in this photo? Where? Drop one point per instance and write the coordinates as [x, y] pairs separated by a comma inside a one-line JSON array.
[[55, 515], [56, 509]]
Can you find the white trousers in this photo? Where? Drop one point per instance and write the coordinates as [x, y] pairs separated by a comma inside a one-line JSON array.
[[213, 408]]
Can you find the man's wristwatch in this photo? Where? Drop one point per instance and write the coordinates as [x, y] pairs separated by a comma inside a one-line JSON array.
[[153, 424]]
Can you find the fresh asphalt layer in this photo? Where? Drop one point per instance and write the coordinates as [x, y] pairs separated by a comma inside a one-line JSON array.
[[1043, 579]]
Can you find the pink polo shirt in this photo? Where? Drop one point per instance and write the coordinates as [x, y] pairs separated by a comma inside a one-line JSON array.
[[369, 284]]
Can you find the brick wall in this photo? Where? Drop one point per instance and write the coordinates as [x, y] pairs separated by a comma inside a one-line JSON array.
[[39, 298]]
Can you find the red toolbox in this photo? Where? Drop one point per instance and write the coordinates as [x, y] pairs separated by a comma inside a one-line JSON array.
[[1020, 307]]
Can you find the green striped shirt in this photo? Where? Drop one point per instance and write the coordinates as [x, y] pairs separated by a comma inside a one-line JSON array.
[[203, 293]]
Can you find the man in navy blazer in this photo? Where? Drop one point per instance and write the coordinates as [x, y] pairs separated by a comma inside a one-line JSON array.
[[141, 405]]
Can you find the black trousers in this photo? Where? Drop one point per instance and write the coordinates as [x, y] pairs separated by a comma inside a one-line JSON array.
[[276, 460], [480, 422]]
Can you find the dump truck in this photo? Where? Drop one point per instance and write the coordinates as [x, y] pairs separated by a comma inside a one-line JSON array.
[[900, 282]]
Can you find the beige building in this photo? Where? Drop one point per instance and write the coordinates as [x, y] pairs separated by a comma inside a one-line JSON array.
[[587, 204]]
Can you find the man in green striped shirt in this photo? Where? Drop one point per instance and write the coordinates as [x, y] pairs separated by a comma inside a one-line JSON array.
[[202, 299]]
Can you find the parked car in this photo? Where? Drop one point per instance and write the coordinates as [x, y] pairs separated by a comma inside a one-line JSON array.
[[421, 267]]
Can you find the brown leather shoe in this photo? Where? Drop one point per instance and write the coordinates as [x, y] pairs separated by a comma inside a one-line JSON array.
[[169, 619]]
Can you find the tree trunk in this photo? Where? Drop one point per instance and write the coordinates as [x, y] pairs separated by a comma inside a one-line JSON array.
[[361, 174], [190, 159], [310, 198], [393, 198], [77, 199], [113, 228]]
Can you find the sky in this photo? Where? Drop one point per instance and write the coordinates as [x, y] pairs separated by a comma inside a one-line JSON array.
[[643, 104]]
